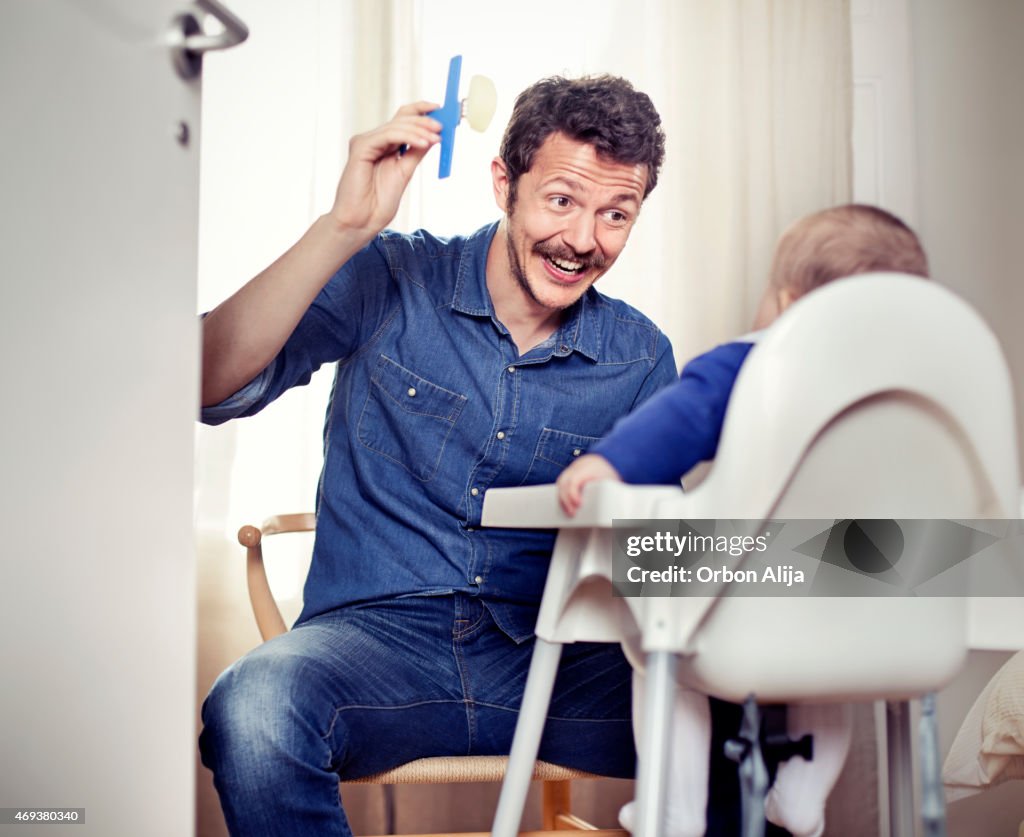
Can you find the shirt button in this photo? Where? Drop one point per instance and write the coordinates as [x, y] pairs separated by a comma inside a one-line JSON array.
[[474, 491], [470, 529], [479, 579], [511, 369], [577, 452], [411, 392], [501, 434]]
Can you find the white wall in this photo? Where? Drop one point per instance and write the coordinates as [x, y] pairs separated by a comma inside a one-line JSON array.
[[968, 70], [884, 151], [939, 140]]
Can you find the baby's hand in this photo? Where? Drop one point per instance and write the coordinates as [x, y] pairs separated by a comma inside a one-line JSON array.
[[588, 468]]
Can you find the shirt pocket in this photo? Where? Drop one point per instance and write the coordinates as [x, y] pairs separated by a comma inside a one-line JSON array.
[[408, 419], [556, 450]]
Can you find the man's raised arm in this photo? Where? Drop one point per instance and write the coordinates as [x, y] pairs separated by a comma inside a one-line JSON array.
[[243, 334]]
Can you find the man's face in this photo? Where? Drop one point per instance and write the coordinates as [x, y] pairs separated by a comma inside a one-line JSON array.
[[571, 217]]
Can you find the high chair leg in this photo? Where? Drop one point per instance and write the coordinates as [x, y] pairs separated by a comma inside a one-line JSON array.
[[900, 765], [933, 803], [746, 750], [526, 741], [652, 775]]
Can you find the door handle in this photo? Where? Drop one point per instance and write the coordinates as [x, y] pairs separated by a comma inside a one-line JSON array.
[[189, 42]]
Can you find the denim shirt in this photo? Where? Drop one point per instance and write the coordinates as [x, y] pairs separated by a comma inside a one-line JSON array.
[[431, 406]]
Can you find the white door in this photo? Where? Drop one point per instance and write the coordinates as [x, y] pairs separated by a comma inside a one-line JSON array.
[[98, 241]]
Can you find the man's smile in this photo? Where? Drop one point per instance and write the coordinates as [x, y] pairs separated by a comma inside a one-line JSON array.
[[565, 266]]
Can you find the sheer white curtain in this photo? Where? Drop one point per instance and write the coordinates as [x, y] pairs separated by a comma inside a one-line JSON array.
[[756, 101]]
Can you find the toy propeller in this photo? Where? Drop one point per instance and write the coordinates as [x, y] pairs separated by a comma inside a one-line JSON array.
[[478, 108]]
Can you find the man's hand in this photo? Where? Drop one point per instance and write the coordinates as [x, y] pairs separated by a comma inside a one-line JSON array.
[[588, 468], [245, 332], [376, 173]]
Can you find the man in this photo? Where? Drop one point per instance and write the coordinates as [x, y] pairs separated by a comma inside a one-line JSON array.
[[463, 364]]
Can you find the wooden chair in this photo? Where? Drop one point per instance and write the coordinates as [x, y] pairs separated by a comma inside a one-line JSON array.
[[555, 809]]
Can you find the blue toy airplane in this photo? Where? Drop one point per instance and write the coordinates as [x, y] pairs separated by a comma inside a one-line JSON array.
[[477, 107]]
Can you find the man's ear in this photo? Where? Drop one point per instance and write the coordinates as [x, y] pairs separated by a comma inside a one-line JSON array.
[[499, 180]]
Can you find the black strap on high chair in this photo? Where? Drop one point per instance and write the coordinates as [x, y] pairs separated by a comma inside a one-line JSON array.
[[762, 732], [745, 749]]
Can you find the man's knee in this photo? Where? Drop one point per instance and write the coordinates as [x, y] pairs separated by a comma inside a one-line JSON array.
[[257, 709]]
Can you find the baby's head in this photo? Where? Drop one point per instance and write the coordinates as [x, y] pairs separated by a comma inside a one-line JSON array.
[[835, 243]]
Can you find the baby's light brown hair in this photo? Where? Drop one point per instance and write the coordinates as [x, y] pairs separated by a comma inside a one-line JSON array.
[[844, 241]]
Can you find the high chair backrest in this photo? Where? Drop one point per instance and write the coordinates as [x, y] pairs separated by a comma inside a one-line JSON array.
[[882, 396], [844, 356]]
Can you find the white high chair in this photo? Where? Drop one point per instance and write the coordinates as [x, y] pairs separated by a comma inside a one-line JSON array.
[[881, 396]]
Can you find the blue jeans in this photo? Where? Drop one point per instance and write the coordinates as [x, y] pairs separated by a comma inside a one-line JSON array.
[[366, 688]]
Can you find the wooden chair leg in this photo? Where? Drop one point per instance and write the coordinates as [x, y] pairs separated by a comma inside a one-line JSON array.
[[388, 797], [555, 801], [556, 809]]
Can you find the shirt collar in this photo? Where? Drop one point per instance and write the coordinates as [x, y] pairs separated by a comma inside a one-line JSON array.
[[580, 331], [471, 295]]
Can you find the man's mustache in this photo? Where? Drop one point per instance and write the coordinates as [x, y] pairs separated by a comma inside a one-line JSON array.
[[590, 259]]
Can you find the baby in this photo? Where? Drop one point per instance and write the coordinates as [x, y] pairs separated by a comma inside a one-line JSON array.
[[679, 427]]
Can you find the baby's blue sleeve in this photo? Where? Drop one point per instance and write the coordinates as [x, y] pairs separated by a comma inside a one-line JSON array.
[[680, 425]]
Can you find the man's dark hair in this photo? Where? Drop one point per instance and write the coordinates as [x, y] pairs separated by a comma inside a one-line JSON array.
[[603, 111]]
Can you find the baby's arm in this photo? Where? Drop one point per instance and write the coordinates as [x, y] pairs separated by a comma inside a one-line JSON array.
[[679, 425], [588, 468], [667, 435]]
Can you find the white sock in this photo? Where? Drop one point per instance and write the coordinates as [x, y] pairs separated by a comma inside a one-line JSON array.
[[796, 801], [627, 816], [687, 789]]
